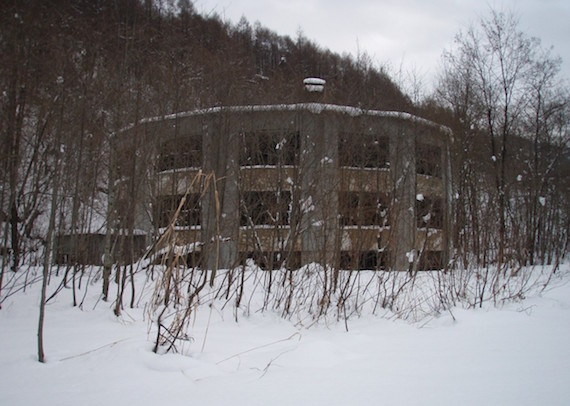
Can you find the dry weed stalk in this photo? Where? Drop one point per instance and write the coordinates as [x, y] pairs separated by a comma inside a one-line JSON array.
[[178, 288]]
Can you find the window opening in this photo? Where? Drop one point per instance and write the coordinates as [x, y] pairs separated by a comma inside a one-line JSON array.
[[363, 209], [180, 153], [269, 148], [265, 208], [428, 159], [188, 216], [364, 150]]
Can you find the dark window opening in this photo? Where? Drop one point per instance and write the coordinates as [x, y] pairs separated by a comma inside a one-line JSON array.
[[428, 160], [265, 208], [365, 260], [368, 260], [180, 153], [194, 259], [269, 148], [189, 214], [346, 260], [364, 150], [293, 260], [363, 208], [429, 213], [431, 261], [89, 249]]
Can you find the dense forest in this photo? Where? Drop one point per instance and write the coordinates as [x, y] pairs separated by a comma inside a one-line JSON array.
[[74, 73]]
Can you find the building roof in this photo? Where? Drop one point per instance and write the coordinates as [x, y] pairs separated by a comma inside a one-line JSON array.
[[315, 108]]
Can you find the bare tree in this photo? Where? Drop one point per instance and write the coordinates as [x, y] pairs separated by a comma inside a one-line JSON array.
[[497, 82]]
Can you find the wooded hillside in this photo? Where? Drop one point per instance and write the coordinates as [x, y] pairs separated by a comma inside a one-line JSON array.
[[75, 72]]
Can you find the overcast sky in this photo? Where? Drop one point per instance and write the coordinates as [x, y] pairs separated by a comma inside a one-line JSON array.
[[407, 36]]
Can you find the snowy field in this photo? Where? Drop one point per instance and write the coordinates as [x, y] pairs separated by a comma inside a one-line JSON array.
[[516, 355]]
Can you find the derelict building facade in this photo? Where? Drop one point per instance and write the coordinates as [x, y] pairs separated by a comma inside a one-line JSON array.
[[287, 185]]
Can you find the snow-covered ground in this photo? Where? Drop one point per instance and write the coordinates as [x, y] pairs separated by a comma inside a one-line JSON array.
[[516, 355]]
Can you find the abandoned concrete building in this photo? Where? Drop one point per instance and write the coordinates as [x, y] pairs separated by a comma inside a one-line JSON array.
[[287, 185]]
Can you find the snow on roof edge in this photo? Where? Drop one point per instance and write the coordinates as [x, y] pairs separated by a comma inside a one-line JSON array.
[[316, 108]]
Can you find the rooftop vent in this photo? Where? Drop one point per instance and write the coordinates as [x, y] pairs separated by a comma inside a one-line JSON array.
[[314, 85]]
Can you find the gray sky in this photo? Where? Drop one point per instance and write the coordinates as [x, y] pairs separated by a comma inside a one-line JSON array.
[[407, 36]]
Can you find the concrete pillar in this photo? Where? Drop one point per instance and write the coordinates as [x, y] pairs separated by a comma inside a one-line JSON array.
[[403, 176], [220, 205], [319, 187]]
